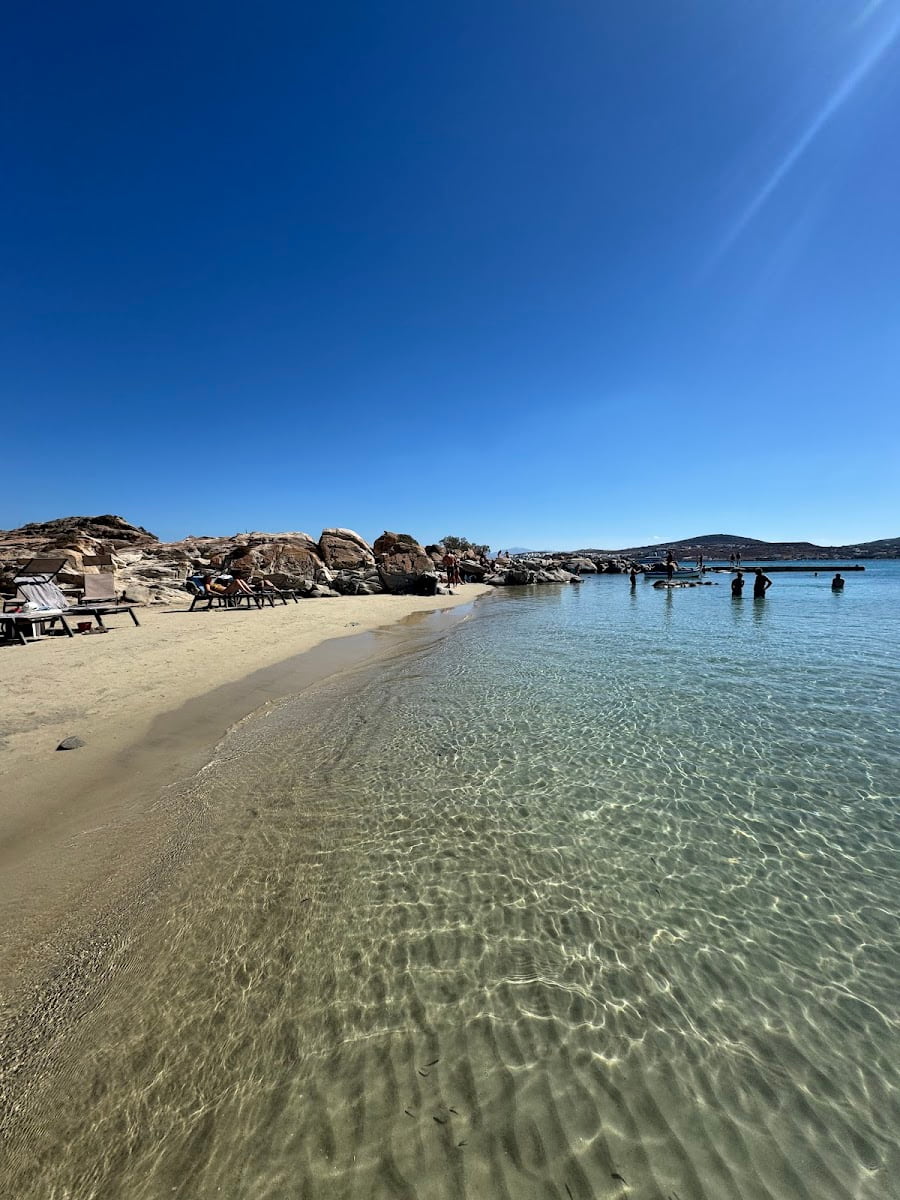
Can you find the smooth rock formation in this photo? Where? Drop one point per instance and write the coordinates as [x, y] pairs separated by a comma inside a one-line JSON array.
[[403, 565], [471, 569], [344, 550], [284, 558]]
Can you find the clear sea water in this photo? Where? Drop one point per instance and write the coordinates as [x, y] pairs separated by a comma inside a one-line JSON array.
[[594, 894]]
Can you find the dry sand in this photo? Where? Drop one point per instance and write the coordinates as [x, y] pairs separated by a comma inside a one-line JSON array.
[[149, 703]]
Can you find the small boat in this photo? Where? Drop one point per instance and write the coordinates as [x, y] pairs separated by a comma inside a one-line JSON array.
[[659, 570]]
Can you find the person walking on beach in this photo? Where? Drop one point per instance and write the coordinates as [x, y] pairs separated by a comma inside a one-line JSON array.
[[451, 566], [737, 586], [761, 585], [837, 584]]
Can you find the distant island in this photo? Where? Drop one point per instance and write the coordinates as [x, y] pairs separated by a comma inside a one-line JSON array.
[[722, 545]]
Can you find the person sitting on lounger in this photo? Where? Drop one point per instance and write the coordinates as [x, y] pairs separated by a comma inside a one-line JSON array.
[[226, 585]]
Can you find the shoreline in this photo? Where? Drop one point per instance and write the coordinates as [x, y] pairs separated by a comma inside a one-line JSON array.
[[152, 704]]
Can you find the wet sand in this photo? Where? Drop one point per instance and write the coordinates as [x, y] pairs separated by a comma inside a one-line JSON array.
[[149, 703]]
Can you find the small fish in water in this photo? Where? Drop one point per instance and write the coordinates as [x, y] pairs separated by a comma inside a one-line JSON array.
[[440, 1120], [434, 1062], [408, 1113], [569, 1192], [461, 1144], [424, 1074], [621, 1178], [453, 1110]]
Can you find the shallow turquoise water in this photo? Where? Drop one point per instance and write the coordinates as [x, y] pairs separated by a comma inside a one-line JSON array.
[[595, 895]]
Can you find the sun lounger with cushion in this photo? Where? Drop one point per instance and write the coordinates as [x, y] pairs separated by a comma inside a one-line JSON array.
[[45, 593]]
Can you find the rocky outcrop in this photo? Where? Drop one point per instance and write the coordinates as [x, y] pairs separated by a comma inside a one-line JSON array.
[[152, 572], [77, 532], [358, 583], [519, 573], [340, 563], [76, 540], [403, 565], [472, 571], [285, 558], [344, 550]]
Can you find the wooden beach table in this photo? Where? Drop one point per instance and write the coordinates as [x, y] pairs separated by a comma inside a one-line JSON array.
[[30, 626]]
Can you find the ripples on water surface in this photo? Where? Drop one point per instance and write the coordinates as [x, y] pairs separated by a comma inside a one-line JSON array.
[[596, 896]]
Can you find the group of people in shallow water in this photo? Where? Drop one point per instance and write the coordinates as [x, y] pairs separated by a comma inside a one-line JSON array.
[[761, 584]]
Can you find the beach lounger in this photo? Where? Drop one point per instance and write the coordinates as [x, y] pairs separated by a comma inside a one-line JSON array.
[[215, 599], [28, 627], [99, 587], [273, 594], [38, 570], [41, 589]]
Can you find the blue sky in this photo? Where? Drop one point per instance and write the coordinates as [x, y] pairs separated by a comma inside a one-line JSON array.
[[551, 275]]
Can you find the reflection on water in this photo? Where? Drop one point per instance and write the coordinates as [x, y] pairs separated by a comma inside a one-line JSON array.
[[595, 898]]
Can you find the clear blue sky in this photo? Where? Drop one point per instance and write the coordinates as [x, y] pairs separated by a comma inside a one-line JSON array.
[[546, 274]]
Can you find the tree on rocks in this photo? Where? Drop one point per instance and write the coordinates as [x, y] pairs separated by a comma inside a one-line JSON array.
[[457, 545]]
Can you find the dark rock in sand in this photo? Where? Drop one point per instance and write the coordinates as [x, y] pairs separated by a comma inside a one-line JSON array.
[[470, 569]]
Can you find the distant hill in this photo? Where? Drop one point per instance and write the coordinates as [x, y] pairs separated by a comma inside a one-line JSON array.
[[885, 547], [721, 545]]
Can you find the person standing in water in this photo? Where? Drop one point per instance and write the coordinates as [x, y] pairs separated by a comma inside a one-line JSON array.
[[761, 585], [737, 586], [837, 584]]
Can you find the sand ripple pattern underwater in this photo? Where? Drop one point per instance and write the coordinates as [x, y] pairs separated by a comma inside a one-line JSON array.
[[596, 896]]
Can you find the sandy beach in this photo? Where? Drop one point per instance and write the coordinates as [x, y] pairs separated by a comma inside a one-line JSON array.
[[149, 703]]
